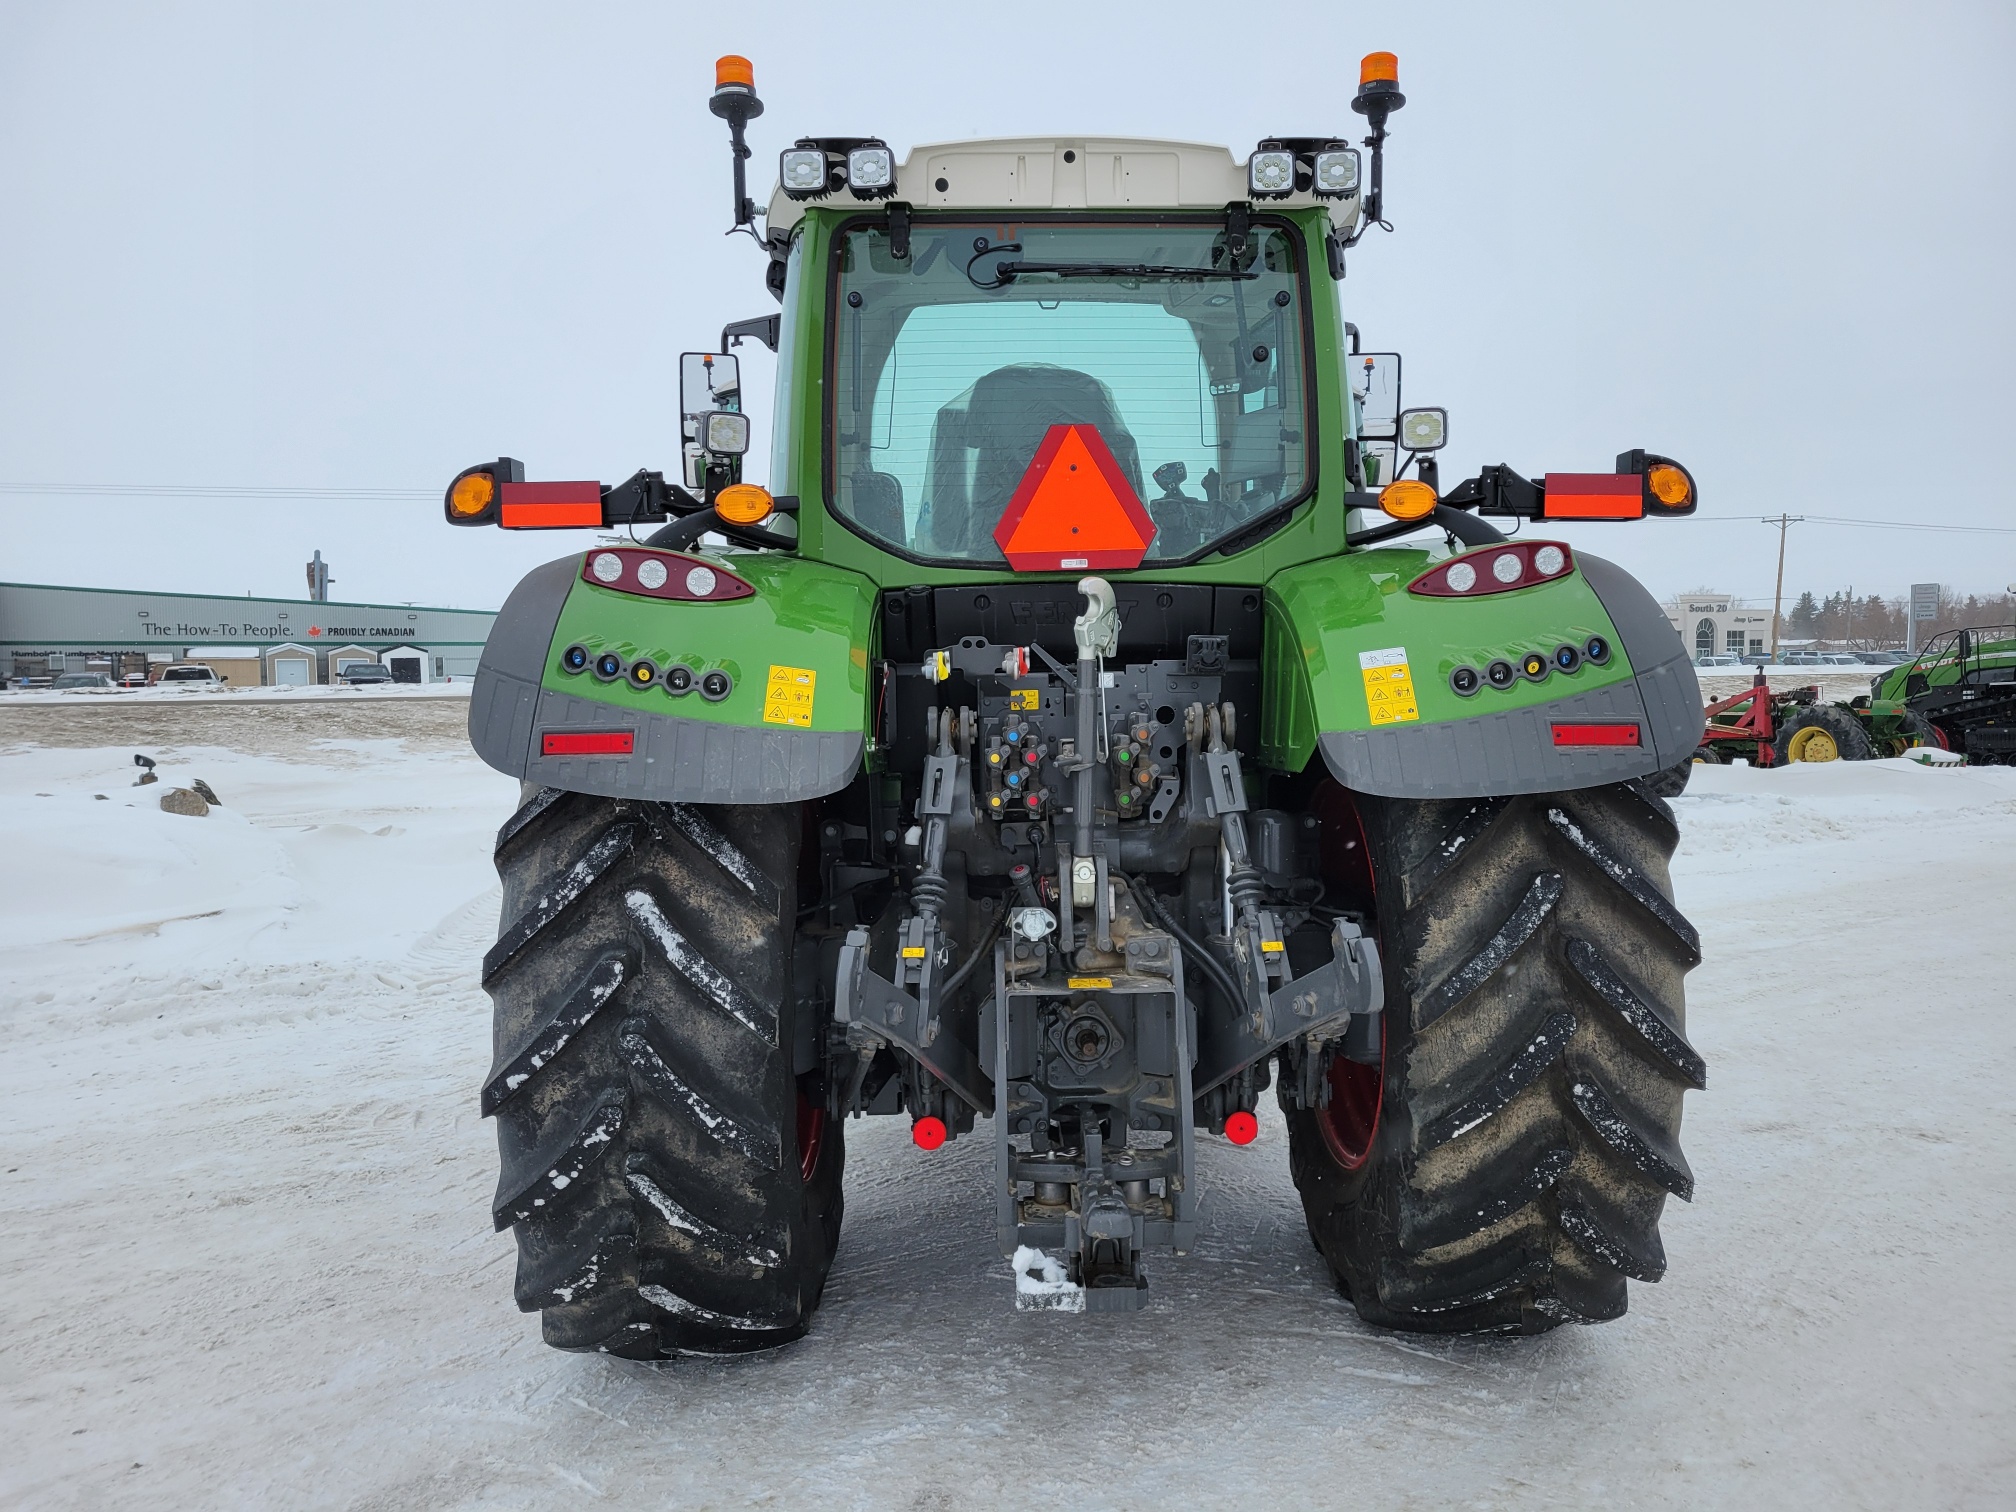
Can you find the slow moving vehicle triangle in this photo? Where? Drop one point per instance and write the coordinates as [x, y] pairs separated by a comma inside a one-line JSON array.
[[1074, 509]]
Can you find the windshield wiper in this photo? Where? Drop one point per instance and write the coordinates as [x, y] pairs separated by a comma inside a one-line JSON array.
[[1117, 270], [1006, 272]]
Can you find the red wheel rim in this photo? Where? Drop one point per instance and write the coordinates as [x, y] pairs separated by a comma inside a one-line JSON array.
[[1349, 1122], [811, 1137]]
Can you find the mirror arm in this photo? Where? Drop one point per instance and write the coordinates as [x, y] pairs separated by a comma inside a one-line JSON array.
[[1497, 490], [765, 328]]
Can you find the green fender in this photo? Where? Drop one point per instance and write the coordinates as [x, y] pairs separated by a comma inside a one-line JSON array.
[[1358, 669], [791, 726]]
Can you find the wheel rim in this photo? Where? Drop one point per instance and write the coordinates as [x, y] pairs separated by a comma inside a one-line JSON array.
[[1813, 744], [1351, 1120], [811, 1137]]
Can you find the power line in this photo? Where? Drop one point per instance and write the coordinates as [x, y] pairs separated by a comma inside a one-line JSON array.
[[1721, 519]]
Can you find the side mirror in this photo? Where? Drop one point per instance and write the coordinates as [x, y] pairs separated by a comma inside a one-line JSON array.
[[1375, 384], [1424, 430], [1378, 461], [709, 381]]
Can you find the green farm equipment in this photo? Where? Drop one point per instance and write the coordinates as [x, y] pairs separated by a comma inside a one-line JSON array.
[[1957, 695], [1102, 716]]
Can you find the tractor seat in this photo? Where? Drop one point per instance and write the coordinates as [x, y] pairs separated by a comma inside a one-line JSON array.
[[983, 442]]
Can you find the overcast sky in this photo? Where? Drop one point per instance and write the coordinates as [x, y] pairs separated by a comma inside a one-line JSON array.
[[361, 246]]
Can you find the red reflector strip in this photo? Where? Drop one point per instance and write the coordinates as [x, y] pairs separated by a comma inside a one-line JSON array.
[[1596, 735], [587, 742], [551, 506], [1593, 496]]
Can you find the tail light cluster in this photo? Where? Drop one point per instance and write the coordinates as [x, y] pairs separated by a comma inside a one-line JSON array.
[[662, 574], [1495, 569]]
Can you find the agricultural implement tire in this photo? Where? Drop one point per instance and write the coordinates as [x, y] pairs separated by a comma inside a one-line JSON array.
[[1505, 1170], [674, 1186], [1920, 733], [1708, 755], [1822, 732]]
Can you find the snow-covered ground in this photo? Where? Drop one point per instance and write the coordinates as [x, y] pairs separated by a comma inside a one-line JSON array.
[[209, 693], [246, 1257]]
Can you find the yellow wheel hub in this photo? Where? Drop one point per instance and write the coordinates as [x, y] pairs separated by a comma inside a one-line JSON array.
[[1813, 744]]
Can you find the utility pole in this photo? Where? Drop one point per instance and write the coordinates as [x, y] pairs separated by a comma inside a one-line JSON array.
[[1784, 522]]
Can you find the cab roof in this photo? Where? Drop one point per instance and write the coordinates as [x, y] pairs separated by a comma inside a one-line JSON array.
[[1064, 173]]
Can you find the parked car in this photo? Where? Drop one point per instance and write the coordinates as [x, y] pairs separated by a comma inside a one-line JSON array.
[[358, 673], [71, 680], [1882, 658], [134, 680], [1839, 659], [191, 674]]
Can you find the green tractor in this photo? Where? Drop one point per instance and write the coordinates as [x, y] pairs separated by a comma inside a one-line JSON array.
[[1102, 716], [1958, 695]]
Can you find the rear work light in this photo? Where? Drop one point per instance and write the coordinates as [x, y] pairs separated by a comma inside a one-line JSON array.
[[1495, 569], [1622, 733], [587, 742], [662, 574]]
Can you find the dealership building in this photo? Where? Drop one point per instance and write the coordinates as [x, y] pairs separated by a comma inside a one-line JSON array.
[[46, 630], [1717, 624]]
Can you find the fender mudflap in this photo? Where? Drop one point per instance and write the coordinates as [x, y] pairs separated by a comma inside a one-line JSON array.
[[1513, 751], [670, 760]]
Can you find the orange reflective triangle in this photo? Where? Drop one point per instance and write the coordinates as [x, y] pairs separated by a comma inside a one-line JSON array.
[[1074, 509]]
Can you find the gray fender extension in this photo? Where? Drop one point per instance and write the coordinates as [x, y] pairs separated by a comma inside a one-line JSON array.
[[1513, 750], [675, 760]]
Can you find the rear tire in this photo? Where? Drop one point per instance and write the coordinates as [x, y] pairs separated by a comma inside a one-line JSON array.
[[1821, 732], [1525, 1125], [674, 1186]]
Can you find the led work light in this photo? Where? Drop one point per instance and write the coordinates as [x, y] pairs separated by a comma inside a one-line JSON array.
[[802, 171], [1270, 173], [1336, 172], [871, 171]]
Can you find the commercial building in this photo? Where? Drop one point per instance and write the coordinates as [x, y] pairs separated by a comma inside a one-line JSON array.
[[46, 630], [1714, 624]]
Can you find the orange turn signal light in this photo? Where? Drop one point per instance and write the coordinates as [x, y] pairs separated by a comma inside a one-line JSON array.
[[744, 504], [1669, 484], [731, 71], [472, 494], [1379, 67], [1408, 499]]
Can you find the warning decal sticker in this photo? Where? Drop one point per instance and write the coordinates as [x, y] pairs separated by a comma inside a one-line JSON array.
[[1389, 686], [787, 700]]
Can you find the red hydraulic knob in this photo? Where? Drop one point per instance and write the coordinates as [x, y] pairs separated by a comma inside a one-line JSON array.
[[1242, 1128], [928, 1132]]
